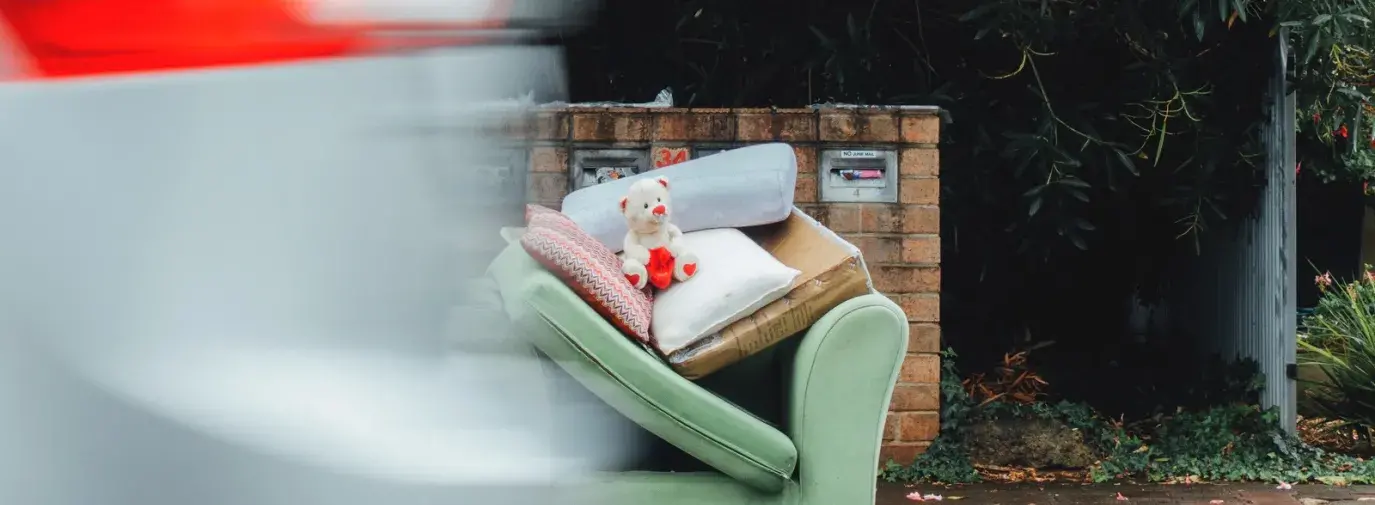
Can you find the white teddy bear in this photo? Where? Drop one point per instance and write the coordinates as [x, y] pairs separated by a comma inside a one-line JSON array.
[[654, 249]]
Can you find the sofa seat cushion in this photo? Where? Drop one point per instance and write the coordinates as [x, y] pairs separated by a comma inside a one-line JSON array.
[[637, 383]]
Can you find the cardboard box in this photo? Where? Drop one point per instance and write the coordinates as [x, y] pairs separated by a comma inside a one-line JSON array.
[[832, 272]]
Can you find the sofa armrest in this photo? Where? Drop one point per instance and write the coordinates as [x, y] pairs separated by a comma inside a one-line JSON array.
[[842, 381]]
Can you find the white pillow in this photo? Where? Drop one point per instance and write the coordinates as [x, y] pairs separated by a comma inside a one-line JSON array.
[[735, 277], [749, 186]]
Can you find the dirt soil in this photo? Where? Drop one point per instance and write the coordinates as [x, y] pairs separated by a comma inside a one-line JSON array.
[[1034, 443]]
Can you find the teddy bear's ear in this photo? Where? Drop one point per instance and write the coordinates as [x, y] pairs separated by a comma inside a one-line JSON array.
[[663, 182], [623, 201]]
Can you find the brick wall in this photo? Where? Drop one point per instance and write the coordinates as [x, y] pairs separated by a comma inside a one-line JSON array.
[[901, 241]]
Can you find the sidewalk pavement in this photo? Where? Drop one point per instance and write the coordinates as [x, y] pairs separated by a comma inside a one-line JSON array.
[[1154, 494]]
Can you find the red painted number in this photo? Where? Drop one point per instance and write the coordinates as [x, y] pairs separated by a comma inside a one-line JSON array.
[[665, 156]]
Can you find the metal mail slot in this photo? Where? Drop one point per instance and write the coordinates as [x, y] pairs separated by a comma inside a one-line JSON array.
[[591, 167], [702, 152], [858, 175]]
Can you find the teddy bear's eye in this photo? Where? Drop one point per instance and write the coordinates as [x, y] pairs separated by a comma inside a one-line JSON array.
[[646, 206]]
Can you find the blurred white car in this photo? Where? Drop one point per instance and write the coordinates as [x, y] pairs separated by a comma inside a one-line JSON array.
[[236, 285]]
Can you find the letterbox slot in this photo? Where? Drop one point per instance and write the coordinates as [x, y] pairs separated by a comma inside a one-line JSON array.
[[592, 167], [858, 175], [702, 152]]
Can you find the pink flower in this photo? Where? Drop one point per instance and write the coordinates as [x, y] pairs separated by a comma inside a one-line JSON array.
[[1121, 498], [917, 496], [1342, 131], [1284, 486], [1323, 281]]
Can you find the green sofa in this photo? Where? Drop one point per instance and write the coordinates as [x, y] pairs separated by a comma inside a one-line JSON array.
[[798, 424]]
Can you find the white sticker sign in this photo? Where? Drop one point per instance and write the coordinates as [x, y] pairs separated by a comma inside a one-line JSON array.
[[868, 154]]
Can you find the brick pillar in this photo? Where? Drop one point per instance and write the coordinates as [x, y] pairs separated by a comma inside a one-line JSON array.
[[901, 244], [916, 398], [547, 181], [900, 241]]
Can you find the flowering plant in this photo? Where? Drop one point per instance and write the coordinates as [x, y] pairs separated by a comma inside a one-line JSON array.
[[1339, 339], [1345, 310]]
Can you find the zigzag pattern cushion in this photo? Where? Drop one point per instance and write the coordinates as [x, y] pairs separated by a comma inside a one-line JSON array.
[[589, 268], [539, 210]]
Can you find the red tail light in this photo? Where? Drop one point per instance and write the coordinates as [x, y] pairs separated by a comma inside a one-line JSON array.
[[59, 38]]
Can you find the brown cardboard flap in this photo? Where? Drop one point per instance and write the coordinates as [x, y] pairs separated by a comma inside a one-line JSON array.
[[831, 274], [800, 245]]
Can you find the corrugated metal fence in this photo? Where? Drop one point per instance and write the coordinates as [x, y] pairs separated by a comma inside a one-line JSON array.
[[1239, 294]]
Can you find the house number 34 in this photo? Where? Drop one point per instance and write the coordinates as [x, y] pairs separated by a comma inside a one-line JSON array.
[[665, 156]]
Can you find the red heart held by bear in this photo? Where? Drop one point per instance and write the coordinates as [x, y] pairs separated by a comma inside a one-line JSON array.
[[690, 269], [633, 278]]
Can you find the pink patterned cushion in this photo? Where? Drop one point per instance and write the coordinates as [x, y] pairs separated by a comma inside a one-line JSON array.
[[589, 268], [539, 210]]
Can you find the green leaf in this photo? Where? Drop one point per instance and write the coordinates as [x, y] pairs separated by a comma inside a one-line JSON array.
[[1125, 161], [1078, 242], [1352, 93], [1333, 480], [1035, 207], [1084, 225], [983, 32], [1217, 211], [1022, 164], [1075, 182], [1321, 19], [979, 11], [822, 38], [1199, 25], [1187, 7], [1313, 42]]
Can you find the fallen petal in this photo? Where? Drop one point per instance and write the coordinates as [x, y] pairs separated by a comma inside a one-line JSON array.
[[915, 496], [934, 497], [1215, 502], [1284, 486], [1120, 497]]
